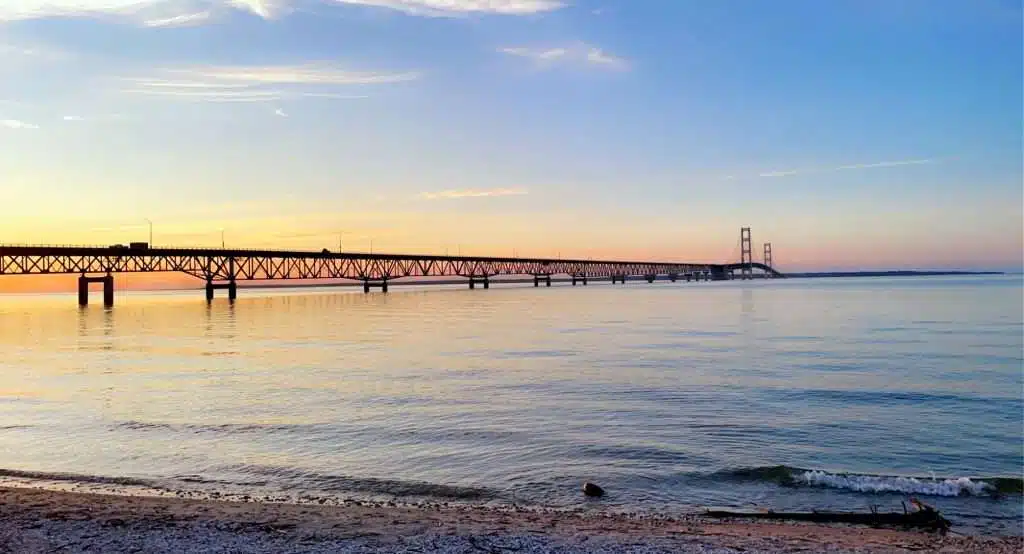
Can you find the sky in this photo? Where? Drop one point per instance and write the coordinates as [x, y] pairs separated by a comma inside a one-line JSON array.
[[851, 134]]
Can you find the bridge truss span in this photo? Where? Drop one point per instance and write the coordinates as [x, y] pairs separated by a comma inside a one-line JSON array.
[[255, 265], [223, 268]]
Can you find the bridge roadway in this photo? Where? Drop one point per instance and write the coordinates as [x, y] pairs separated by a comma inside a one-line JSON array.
[[223, 268]]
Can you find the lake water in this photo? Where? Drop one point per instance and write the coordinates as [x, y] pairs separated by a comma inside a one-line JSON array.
[[785, 394]]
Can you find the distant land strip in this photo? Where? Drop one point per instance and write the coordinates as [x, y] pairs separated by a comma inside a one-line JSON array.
[[890, 273]]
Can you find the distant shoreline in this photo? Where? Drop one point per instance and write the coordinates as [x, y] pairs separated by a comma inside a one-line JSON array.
[[898, 273]]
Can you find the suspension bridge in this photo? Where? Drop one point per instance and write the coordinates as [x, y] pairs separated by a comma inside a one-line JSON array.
[[223, 268]]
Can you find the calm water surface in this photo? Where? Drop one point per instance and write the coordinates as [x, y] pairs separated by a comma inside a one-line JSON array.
[[794, 394]]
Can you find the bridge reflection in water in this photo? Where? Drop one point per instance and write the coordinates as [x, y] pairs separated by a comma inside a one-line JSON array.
[[224, 268]]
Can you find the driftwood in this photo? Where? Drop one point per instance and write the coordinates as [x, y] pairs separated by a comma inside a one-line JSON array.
[[925, 517]]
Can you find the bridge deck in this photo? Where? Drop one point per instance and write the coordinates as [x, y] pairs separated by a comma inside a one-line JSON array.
[[222, 268], [237, 264]]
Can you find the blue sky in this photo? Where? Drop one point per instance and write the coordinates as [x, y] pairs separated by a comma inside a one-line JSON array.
[[849, 133]]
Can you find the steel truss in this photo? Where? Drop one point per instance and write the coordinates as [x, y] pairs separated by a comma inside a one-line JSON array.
[[261, 265]]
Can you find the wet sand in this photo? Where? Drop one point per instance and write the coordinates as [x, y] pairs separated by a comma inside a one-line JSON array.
[[37, 520]]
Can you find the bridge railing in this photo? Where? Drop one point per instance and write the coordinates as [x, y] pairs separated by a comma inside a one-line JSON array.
[[150, 247], [32, 245]]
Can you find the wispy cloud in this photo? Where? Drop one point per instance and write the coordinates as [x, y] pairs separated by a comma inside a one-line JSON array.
[[886, 164], [318, 74], [183, 20], [579, 54], [453, 8], [174, 13], [16, 124], [791, 172], [32, 52], [471, 193], [210, 95], [333, 96], [259, 83], [280, 113], [7, 49], [781, 173], [153, 13], [267, 9], [101, 117]]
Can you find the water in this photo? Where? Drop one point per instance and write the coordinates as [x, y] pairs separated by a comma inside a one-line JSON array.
[[793, 394]]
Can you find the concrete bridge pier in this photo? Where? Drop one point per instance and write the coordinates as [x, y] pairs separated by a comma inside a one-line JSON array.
[[621, 278], [537, 279], [581, 278], [108, 289], [673, 277], [369, 283], [231, 286], [484, 280], [650, 278]]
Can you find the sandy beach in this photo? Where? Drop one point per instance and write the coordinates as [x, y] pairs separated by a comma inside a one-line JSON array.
[[37, 520]]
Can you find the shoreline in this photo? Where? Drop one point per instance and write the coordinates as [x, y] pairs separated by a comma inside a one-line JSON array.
[[42, 520]]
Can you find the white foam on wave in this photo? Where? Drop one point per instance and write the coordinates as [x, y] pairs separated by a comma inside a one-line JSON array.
[[881, 483]]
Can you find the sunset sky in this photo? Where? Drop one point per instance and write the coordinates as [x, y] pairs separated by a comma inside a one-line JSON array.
[[851, 134]]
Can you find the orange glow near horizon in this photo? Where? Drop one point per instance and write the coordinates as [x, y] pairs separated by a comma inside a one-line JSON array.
[[858, 240]]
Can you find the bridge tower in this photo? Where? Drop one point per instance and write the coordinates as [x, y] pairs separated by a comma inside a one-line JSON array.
[[746, 254], [768, 256]]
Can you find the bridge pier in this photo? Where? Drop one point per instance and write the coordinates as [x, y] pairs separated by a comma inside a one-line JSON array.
[[673, 277], [485, 281], [368, 284], [537, 278], [231, 286], [581, 278], [108, 289], [650, 278]]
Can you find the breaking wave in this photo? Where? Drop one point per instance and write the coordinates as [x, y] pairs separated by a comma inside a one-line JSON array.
[[878, 484]]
